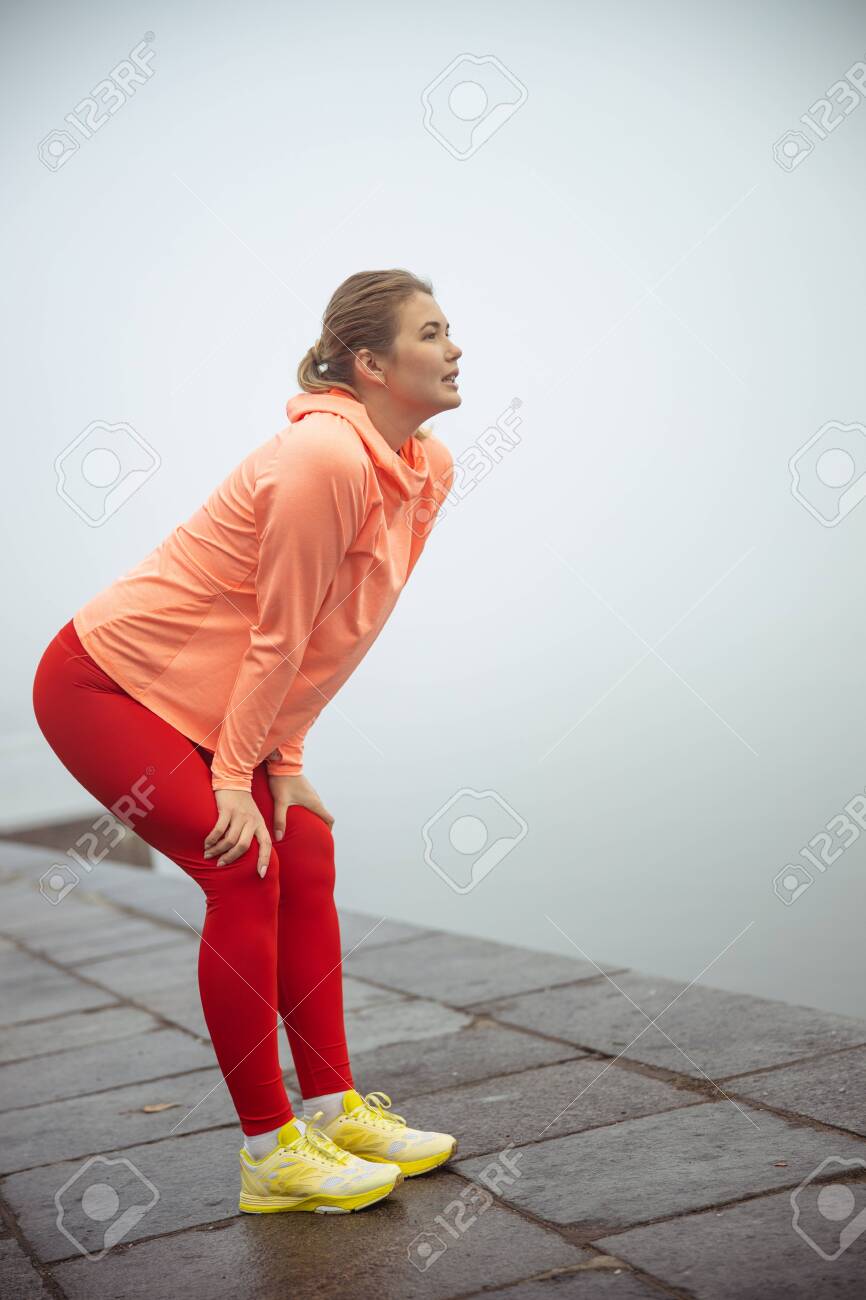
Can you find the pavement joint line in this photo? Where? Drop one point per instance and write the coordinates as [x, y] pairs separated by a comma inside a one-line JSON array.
[[75, 1047], [575, 1236], [121, 999], [43, 1270], [700, 1211], [117, 1149], [479, 1008], [112, 1087], [489, 1078], [113, 956], [785, 1065], [659, 1071], [570, 1270], [680, 1083]]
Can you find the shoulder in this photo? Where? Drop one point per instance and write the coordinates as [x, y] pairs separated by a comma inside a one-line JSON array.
[[317, 461], [320, 449], [324, 440]]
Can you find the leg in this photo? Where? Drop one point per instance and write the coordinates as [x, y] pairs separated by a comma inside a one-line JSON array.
[[309, 957], [124, 754]]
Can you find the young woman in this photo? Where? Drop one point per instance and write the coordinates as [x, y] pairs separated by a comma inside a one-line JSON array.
[[192, 681]]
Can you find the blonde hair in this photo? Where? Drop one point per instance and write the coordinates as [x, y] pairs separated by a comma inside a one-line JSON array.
[[363, 312]]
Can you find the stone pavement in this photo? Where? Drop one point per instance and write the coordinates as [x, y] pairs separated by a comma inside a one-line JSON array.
[[720, 1152]]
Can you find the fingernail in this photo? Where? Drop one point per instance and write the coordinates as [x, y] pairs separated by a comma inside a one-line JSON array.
[[279, 835]]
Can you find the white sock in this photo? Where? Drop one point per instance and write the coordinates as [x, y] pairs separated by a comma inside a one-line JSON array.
[[330, 1102], [260, 1144]]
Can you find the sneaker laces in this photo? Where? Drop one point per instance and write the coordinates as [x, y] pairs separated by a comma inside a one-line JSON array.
[[321, 1144], [372, 1108]]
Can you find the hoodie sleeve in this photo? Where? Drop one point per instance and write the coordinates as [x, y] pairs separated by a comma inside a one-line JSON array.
[[288, 758], [309, 505]]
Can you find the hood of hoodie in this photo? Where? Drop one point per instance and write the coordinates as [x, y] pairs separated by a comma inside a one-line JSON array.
[[406, 476]]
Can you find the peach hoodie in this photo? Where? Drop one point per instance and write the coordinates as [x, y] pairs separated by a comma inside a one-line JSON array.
[[244, 622]]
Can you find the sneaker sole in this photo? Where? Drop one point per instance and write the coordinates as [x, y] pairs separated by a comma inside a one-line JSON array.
[[319, 1203]]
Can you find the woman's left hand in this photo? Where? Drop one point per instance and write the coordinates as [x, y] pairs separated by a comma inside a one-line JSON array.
[[289, 791]]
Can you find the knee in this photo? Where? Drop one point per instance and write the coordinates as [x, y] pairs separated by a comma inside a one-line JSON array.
[[306, 852]]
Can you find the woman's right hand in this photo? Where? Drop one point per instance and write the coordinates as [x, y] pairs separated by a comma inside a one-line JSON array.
[[239, 822]]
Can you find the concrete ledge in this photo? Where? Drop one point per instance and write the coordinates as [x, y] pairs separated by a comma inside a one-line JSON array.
[[718, 1152]]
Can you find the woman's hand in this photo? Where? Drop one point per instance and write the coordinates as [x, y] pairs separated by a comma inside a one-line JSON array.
[[239, 822], [291, 790]]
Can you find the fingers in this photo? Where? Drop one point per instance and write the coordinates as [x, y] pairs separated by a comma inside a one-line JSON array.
[[216, 834], [238, 834], [279, 820]]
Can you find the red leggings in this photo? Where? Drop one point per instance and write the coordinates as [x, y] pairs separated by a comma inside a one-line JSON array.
[[270, 947]]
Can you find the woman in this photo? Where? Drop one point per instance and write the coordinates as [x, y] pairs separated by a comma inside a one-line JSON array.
[[195, 677]]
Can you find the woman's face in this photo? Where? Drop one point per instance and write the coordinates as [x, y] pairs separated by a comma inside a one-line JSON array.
[[423, 354]]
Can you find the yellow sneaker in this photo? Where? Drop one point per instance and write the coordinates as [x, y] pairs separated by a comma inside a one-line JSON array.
[[367, 1130], [307, 1171]]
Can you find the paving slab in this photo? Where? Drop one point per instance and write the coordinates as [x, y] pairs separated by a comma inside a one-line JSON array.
[[660, 1165], [358, 994], [753, 1252], [543, 1103], [180, 1004], [361, 930], [461, 970], [407, 1020], [405, 1246], [24, 908], [104, 1025], [33, 989], [139, 974], [60, 1130], [74, 929], [93, 1068], [831, 1089], [18, 1278], [481, 1050], [100, 937], [723, 1033]]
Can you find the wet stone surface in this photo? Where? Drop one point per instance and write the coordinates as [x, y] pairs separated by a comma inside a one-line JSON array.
[[597, 1158]]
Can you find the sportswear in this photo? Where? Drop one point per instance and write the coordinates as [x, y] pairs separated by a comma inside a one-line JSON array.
[[366, 1129], [306, 1171], [242, 624]]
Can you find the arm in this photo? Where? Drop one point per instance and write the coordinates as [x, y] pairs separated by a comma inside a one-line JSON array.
[[309, 506], [288, 758]]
